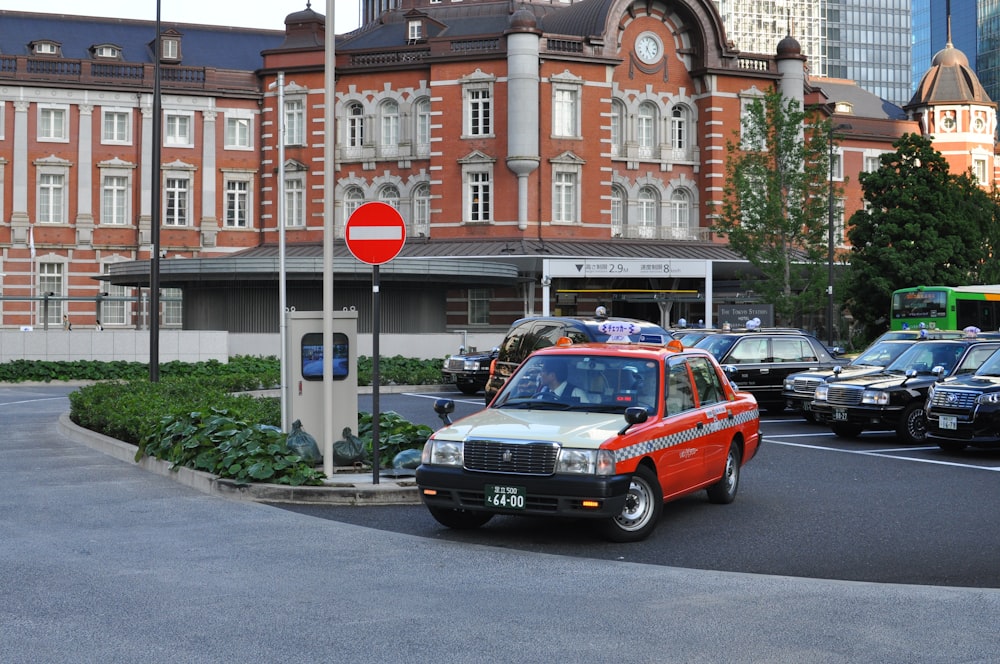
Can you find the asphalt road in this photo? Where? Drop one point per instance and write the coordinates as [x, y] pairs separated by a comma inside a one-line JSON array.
[[810, 505], [101, 561]]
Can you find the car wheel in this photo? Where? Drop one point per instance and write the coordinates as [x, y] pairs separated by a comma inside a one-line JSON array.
[[723, 492], [912, 427], [951, 447], [468, 389], [643, 505], [843, 430], [459, 519], [809, 417]]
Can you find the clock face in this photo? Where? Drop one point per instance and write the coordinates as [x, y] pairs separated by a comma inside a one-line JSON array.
[[647, 47]]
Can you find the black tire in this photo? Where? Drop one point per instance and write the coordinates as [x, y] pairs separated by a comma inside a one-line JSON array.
[[912, 426], [810, 417], [845, 430], [459, 519], [952, 447], [641, 512], [468, 389], [723, 492]]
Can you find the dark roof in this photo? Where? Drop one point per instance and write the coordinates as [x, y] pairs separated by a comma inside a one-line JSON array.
[[865, 104], [950, 79], [581, 19], [221, 47]]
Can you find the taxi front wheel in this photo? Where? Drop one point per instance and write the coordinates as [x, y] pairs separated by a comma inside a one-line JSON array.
[[459, 519], [643, 505]]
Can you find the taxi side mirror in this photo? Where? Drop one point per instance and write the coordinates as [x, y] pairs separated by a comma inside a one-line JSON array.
[[634, 415], [444, 408]]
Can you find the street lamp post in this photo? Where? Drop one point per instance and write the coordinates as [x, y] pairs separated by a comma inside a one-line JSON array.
[[829, 245]]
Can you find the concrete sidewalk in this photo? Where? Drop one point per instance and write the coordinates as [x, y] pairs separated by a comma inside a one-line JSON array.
[[341, 489]]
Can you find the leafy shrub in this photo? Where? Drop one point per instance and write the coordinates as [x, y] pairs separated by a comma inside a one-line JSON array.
[[395, 435], [217, 443]]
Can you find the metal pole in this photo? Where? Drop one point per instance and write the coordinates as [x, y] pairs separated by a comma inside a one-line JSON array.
[[154, 259], [282, 295], [829, 256], [376, 323], [329, 185]]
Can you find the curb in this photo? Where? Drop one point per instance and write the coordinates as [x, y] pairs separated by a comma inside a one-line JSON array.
[[349, 489]]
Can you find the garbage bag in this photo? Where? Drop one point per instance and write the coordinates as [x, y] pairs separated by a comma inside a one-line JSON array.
[[408, 459], [301, 443], [348, 450]]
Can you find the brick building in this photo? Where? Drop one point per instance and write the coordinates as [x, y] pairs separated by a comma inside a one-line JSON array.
[[546, 157]]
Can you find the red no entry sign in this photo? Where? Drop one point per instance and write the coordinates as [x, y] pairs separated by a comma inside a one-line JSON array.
[[375, 233]]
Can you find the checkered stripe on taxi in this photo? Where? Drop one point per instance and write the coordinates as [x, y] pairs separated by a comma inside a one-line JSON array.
[[685, 435]]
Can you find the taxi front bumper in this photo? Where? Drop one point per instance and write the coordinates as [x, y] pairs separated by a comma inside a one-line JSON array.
[[551, 495]]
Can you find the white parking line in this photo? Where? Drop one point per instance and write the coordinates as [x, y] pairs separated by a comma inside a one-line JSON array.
[[15, 403], [770, 440]]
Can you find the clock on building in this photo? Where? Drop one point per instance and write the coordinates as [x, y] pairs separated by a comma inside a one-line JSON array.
[[648, 47]]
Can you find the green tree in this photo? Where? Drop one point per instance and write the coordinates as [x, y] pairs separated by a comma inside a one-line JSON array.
[[922, 225], [775, 202]]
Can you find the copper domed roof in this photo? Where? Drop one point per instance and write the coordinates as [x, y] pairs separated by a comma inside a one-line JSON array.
[[789, 46], [949, 79]]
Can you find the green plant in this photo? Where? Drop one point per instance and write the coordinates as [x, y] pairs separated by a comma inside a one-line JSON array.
[[395, 435], [217, 443]]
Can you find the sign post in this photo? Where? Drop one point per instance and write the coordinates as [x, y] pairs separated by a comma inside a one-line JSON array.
[[375, 234]]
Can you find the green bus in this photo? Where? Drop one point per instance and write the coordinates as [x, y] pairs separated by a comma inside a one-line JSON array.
[[946, 307]]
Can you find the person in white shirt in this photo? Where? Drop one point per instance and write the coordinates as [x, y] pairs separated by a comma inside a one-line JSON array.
[[556, 387]]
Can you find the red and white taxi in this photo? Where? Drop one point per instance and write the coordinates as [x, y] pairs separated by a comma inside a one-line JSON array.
[[608, 431]]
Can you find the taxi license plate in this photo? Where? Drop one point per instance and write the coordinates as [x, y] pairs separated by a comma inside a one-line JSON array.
[[840, 414], [948, 422], [505, 497]]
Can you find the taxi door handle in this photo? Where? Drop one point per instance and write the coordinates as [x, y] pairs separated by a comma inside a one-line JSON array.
[[700, 425]]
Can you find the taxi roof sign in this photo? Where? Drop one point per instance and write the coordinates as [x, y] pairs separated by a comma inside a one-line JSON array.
[[618, 331]]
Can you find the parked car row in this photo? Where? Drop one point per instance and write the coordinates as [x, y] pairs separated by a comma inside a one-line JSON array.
[[942, 390]]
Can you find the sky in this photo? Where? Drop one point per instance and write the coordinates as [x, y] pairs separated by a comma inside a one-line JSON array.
[[267, 14]]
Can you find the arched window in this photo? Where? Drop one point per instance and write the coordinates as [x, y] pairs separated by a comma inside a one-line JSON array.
[[353, 199], [422, 210], [355, 137], [679, 129], [679, 216], [647, 212], [390, 124], [617, 128], [389, 195], [645, 129], [617, 211], [422, 113]]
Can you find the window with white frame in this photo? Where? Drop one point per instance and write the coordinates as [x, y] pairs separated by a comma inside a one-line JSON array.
[[237, 213], [423, 128], [617, 128], [295, 201], [172, 302], [51, 280], [170, 48], [51, 198], [564, 196], [414, 30], [113, 310], [176, 201], [116, 126], [751, 136], [479, 306], [46, 48], [390, 126], [115, 199], [177, 129], [295, 122], [837, 165], [872, 162], [353, 199], [979, 166], [679, 129], [479, 195], [647, 212], [389, 195], [53, 123], [107, 52], [645, 129], [839, 227], [239, 133], [355, 126], [566, 111], [422, 209], [617, 210], [679, 216], [478, 110]]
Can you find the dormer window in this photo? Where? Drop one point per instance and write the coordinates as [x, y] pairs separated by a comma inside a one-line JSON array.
[[106, 52], [45, 47], [415, 30], [844, 108], [170, 46]]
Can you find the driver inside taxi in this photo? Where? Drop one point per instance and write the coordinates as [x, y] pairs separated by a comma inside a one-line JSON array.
[[554, 385]]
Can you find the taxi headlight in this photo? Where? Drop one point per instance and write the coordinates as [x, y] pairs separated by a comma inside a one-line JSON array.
[[991, 398], [822, 390], [875, 397], [443, 453], [585, 462]]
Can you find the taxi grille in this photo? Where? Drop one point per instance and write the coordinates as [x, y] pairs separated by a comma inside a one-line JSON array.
[[842, 395], [953, 399], [805, 385], [514, 457]]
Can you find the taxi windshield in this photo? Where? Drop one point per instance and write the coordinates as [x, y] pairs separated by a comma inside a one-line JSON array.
[[922, 357], [598, 383]]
